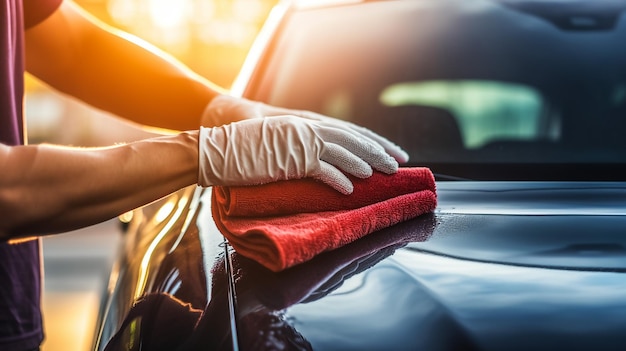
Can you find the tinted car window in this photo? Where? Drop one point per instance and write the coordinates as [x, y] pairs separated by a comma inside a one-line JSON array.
[[477, 82], [484, 111]]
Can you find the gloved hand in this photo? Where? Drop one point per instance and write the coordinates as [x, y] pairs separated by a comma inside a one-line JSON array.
[[225, 109], [262, 150]]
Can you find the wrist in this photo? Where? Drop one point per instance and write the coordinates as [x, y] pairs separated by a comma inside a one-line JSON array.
[[206, 172], [188, 141]]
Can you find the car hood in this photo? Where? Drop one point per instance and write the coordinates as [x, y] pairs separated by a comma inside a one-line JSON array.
[[510, 265], [567, 225], [497, 266]]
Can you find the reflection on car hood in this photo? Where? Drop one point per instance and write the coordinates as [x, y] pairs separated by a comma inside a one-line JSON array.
[[464, 278], [533, 198], [558, 225]]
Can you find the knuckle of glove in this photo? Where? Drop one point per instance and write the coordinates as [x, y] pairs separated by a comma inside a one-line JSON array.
[[369, 151], [343, 159]]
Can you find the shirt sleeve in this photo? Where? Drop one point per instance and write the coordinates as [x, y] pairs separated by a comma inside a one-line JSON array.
[[35, 11]]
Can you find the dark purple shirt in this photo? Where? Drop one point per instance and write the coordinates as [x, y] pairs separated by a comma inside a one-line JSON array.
[[20, 264]]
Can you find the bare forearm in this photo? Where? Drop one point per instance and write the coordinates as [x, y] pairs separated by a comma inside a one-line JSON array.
[[115, 72], [52, 189]]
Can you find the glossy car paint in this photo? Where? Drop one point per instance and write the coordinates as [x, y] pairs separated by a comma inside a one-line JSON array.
[[500, 265], [515, 274]]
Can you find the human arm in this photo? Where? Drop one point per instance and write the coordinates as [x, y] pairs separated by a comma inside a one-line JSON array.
[[47, 189], [80, 56]]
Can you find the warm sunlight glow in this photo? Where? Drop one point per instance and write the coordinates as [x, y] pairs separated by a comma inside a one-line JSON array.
[[169, 14], [212, 37], [123, 12]]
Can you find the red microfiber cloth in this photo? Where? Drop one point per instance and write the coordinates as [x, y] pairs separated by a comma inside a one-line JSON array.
[[285, 223]]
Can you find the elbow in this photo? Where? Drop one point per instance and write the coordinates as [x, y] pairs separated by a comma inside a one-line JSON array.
[[11, 214], [18, 214], [23, 202]]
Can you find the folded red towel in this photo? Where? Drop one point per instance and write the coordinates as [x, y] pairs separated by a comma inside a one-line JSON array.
[[285, 223], [308, 196]]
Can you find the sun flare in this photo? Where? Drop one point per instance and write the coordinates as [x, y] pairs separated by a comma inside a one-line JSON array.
[[169, 14]]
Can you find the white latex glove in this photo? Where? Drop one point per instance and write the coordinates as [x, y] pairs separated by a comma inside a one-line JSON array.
[[392, 149], [225, 109], [262, 150]]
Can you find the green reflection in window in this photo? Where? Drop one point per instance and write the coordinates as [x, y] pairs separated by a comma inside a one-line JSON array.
[[485, 110]]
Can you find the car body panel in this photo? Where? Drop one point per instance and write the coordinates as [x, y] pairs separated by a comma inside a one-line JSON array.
[[455, 279]]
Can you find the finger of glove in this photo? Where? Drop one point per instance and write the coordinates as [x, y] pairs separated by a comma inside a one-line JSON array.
[[360, 146], [390, 147], [333, 177], [345, 160]]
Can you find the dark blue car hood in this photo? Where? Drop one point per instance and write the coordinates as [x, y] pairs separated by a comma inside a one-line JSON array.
[[513, 266], [498, 266], [566, 225]]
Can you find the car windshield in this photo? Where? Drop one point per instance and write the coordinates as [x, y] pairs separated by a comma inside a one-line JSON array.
[[462, 82]]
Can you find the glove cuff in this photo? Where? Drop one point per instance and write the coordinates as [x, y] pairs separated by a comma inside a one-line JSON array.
[[204, 165]]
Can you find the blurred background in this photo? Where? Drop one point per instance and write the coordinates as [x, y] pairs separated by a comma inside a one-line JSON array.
[[210, 36]]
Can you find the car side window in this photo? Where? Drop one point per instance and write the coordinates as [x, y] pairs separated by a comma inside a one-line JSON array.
[[485, 111]]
